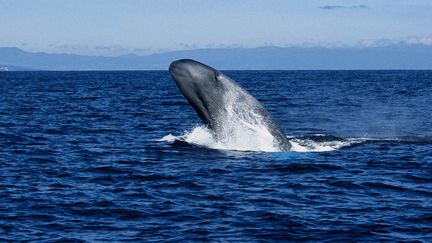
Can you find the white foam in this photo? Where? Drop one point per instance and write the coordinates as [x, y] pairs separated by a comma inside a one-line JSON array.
[[201, 136], [308, 145], [311, 146], [169, 138]]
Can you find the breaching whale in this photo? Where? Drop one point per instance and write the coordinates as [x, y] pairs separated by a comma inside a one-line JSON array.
[[223, 105]]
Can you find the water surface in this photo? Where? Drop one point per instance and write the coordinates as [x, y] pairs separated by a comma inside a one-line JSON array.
[[81, 158]]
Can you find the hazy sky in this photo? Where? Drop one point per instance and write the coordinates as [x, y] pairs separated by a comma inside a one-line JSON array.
[[112, 27]]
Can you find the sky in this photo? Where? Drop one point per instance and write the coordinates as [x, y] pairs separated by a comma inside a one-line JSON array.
[[117, 27]]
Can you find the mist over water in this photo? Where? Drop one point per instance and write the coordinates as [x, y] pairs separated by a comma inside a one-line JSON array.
[[122, 156]]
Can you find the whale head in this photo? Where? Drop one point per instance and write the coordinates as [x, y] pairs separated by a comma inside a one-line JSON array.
[[200, 84]]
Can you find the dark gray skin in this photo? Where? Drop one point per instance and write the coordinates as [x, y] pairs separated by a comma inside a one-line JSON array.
[[204, 88]]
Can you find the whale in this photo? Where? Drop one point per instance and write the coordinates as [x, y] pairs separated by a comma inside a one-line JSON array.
[[223, 105]]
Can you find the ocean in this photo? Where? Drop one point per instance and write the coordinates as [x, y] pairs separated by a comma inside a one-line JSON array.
[[122, 156]]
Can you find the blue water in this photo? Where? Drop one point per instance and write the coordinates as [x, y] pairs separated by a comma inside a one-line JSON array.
[[82, 158]]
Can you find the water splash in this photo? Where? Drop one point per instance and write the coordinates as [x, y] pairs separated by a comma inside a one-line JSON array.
[[242, 123], [203, 137]]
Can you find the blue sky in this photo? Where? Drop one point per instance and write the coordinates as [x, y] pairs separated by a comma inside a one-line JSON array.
[[112, 27]]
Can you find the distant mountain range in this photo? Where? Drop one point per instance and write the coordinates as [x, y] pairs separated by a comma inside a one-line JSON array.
[[261, 58]]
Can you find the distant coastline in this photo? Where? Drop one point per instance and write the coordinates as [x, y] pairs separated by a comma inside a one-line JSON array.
[[399, 57]]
